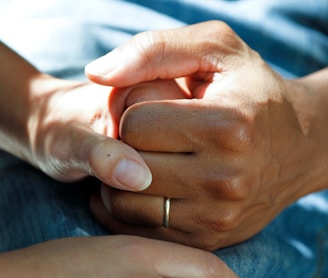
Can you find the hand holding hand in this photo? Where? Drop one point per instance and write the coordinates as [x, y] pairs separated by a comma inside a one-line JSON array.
[[231, 158], [76, 128]]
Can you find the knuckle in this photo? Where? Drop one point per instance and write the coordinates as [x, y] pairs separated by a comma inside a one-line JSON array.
[[234, 188], [242, 136], [228, 126], [134, 123], [238, 136], [150, 45], [131, 120], [226, 42], [225, 221], [118, 203], [229, 38], [218, 220], [143, 42], [220, 27], [129, 123]]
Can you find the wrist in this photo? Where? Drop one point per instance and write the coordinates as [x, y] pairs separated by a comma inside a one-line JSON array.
[[20, 118], [309, 98], [41, 88]]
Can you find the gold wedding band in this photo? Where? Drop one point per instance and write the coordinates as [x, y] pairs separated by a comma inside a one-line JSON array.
[[166, 217]]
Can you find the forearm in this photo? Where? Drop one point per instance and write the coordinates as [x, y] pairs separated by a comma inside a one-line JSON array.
[[65, 128], [20, 263], [21, 86], [53, 258], [17, 84]]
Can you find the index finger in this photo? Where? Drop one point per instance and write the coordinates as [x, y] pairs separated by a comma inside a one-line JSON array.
[[167, 54]]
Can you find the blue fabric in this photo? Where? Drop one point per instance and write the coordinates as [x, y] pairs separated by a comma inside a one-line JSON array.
[[61, 36], [35, 208]]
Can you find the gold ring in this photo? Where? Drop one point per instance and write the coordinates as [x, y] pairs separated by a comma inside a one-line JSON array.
[[166, 217]]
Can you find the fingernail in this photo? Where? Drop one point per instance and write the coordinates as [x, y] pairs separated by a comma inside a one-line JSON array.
[[132, 174], [104, 65]]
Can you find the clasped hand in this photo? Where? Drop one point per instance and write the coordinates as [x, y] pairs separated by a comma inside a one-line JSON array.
[[230, 156]]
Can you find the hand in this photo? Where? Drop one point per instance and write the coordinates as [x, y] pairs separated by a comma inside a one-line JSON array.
[[76, 129], [113, 256], [247, 145], [69, 129]]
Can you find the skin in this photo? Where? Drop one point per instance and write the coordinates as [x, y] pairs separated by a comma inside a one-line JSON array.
[[67, 129], [242, 147], [48, 110], [114, 256]]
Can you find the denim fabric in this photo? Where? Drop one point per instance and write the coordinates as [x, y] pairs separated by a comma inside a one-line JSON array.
[[35, 208], [60, 37]]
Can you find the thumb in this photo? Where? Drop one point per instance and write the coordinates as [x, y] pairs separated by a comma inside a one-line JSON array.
[[89, 153], [118, 165], [165, 55]]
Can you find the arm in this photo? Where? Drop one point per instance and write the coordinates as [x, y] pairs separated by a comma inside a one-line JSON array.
[[246, 146], [64, 127], [113, 256], [16, 75]]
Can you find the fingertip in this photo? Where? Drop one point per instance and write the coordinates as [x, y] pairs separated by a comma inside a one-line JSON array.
[[115, 77], [94, 201], [118, 165], [98, 208], [194, 263], [113, 68], [101, 69], [132, 174], [93, 77], [216, 267]]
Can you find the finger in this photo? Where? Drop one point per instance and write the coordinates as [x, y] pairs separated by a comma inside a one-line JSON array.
[[165, 126], [122, 98], [138, 209], [154, 90], [103, 213], [199, 223], [107, 159], [148, 210], [194, 263], [195, 238], [188, 216], [116, 256], [166, 55], [176, 175], [117, 164], [188, 125], [181, 261], [189, 222]]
